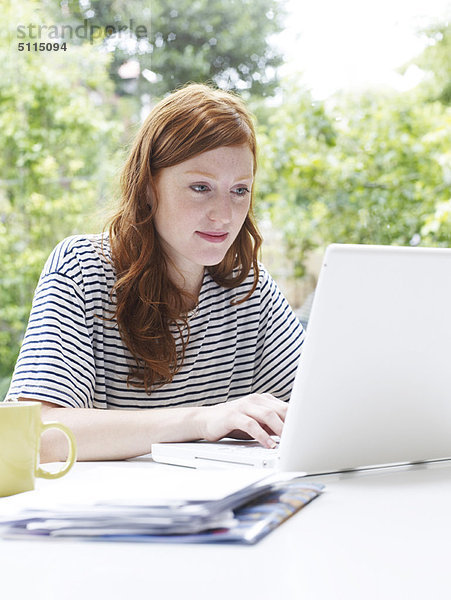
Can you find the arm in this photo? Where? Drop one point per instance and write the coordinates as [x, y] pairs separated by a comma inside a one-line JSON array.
[[120, 434], [59, 366]]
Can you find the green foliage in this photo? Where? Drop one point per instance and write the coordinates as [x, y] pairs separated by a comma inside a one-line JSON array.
[[294, 143], [54, 145], [369, 169], [435, 60], [225, 41]]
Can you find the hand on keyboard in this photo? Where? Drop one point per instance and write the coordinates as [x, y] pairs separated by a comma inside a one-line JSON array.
[[256, 416]]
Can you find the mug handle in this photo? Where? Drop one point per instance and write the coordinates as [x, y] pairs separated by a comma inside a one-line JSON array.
[[72, 451]]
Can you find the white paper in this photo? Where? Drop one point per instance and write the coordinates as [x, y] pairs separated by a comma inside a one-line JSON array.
[[107, 484]]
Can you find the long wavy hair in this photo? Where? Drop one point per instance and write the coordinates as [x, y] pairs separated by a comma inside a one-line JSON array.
[[150, 309]]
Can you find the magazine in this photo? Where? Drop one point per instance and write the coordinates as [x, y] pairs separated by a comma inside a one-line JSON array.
[[245, 517]]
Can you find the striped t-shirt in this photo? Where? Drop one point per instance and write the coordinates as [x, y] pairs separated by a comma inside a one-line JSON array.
[[73, 356]]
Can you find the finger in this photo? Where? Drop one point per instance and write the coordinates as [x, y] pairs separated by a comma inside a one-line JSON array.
[[250, 426], [269, 419], [270, 431]]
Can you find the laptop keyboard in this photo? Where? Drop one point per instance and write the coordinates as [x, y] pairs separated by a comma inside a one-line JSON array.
[[253, 447], [224, 452], [232, 449], [232, 443]]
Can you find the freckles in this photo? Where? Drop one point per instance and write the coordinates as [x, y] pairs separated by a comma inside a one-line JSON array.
[[244, 211]]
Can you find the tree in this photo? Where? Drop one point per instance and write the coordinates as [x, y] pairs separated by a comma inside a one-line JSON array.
[[435, 60], [225, 41], [295, 141], [368, 169], [55, 158]]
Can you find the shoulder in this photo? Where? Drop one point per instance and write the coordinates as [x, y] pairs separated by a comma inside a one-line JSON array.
[[264, 278], [79, 252], [82, 260], [266, 286], [265, 291]]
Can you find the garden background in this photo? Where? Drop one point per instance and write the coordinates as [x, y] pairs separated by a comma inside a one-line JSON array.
[[371, 165]]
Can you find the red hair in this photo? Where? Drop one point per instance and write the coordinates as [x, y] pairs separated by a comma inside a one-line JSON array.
[[191, 120]]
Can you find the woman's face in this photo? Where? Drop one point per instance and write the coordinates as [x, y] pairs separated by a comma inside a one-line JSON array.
[[202, 204]]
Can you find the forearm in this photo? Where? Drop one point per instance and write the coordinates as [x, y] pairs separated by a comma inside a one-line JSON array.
[[120, 434], [117, 434]]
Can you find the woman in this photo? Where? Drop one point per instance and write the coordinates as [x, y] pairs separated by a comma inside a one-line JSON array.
[[171, 311]]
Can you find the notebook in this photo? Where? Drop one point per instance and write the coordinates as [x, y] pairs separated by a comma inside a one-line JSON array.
[[373, 385]]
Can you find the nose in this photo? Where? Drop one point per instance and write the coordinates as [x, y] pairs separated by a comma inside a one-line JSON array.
[[220, 209]]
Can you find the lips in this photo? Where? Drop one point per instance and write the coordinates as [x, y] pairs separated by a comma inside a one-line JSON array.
[[215, 237]]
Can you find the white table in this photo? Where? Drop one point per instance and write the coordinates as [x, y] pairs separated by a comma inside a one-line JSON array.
[[382, 534]]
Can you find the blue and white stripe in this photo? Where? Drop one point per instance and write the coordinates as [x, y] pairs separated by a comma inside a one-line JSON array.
[[73, 356]]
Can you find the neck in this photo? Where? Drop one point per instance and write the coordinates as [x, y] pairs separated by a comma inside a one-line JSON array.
[[190, 283]]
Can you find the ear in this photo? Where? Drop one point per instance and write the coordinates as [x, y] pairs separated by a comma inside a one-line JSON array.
[[151, 194]]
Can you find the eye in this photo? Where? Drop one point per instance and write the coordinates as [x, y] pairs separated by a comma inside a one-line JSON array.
[[241, 191], [199, 187]]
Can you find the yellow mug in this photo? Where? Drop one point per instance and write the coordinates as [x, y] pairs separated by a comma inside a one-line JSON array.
[[20, 438]]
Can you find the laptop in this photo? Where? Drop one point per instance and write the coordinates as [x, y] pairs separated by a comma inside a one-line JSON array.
[[373, 385]]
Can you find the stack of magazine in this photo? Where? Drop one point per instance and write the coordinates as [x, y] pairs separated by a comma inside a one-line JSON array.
[[244, 516]]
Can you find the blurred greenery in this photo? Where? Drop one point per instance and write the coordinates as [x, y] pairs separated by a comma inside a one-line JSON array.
[[187, 40], [369, 169], [435, 61], [57, 137], [373, 167]]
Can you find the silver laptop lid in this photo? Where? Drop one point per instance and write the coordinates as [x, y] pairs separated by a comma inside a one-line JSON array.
[[374, 380]]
